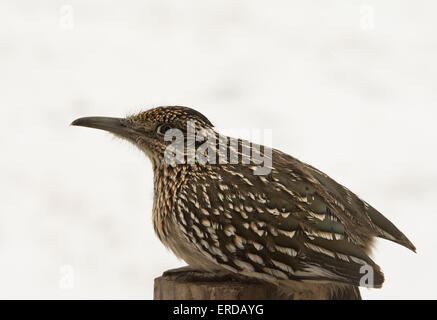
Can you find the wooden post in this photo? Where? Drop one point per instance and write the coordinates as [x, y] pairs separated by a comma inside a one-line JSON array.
[[166, 288], [222, 288]]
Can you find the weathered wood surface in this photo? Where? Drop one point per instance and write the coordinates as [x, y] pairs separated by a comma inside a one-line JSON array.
[[177, 290], [166, 288], [178, 284]]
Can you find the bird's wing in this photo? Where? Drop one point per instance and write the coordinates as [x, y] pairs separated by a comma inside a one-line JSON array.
[[355, 213], [376, 222], [274, 226]]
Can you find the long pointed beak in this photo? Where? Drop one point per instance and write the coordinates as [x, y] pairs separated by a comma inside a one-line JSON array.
[[113, 125]]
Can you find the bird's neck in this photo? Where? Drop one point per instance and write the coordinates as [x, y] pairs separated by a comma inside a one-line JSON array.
[[167, 183]]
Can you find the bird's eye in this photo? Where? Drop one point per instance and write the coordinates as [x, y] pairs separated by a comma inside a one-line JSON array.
[[162, 129]]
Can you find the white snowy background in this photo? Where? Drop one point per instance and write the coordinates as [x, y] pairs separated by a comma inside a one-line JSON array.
[[347, 86]]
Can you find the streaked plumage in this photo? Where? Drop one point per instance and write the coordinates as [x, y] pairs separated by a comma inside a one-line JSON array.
[[294, 227]]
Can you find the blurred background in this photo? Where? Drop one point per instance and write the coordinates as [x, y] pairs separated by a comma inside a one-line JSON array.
[[347, 86]]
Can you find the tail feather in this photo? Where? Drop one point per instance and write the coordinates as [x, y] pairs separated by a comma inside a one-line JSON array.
[[347, 293], [388, 230], [347, 264]]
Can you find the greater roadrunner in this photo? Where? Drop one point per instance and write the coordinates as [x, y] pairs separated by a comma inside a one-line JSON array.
[[291, 226]]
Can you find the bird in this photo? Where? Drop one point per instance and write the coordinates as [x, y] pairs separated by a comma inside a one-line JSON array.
[[290, 226]]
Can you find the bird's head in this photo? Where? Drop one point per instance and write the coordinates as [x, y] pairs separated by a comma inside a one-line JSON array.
[[147, 129]]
